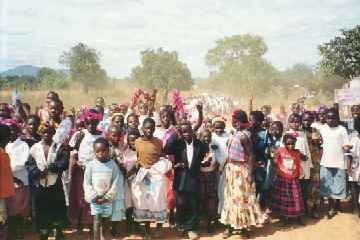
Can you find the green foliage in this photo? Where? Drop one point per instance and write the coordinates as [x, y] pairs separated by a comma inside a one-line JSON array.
[[162, 70], [83, 63], [341, 55], [238, 64], [50, 78], [19, 82]]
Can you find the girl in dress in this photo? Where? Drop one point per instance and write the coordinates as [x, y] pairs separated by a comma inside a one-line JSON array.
[[46, 164], [128, 163], [102, 180], [287, 199]]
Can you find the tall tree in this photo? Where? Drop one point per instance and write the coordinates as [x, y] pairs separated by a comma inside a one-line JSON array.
[[341, 55], [84, 65], [162, 70], [50, 78], [238, 63]]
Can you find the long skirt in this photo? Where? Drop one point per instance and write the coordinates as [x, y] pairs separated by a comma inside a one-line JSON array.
[[220, 191], [50, 205], [79, 209], [208, 194], [332, 183], [20, 203], [241, 209], [287, 199]]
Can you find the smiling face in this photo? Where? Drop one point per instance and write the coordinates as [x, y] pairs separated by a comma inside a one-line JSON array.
[[187, 132], [331, 119]]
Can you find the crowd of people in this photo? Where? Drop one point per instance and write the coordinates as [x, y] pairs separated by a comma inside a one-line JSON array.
[[99, 165]]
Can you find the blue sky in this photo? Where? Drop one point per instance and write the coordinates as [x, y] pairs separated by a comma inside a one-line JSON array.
[[36, 32]]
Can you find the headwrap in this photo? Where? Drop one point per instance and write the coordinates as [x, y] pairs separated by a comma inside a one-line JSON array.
[[87, 114], [218, 119], [11, 122]]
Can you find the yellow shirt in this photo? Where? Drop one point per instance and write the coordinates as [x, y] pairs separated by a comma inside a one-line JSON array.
[[148, 151]]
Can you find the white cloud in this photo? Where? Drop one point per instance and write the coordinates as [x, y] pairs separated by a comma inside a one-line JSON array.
[[36, 32]]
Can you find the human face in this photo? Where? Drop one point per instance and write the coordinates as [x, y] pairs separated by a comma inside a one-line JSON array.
[[276, 130], [143, 109], [187, 133], [131, 141], [32, 126], [54, 110], [50, 97], [331, 119], [294, 123], [206, 137], [290, 143], [91, 125], [219, 128], [133, 122], [148, 130], [253, 122], [307, 120], [114, 135], [14, 133], [355, 111], [101, 152], [47, 136], [118, 121], [165, 119]]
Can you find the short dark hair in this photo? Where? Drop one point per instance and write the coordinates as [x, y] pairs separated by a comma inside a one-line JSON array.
[[288, 136], [132, 115], [102, 140], [258, 116], [149, 120], [4, 133]]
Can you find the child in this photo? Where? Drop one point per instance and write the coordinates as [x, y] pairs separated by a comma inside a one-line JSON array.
[[287, 199], [220, 139], [79, 209], [208, 190], [18, 206], [150, 185], [128, 163], [46, 164], [333, 162], [6, 179], [302, 145], [102, 179], [114, 136]]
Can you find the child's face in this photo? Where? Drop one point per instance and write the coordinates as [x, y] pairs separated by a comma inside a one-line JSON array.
[[32, 126], [131, 141], [206, 137], [54, 110], [148, 130], [331, 119], [219, 128], [118, 121], [47, 136], [14, 132], [355, 111], [276, 130], [114, 135], [91, 125], [133, 122], [101, 152], [143, 109], [295, 123], [290, 143]]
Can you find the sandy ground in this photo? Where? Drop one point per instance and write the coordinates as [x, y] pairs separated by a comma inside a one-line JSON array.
[[344, 226]]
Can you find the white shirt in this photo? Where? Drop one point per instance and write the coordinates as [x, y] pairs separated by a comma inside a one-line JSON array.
[[220, 142], [190, 152], [333, 141], [19, 153]]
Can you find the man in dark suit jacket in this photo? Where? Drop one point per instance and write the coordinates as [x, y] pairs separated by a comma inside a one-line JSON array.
[[189, 153]]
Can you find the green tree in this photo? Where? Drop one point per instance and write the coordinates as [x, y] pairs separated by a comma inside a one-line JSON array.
[[50, 78], [84, 65], [238, 64], [162, 70], [341, 55]]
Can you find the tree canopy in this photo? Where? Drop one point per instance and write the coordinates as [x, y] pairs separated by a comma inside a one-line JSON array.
[[84, 65], [162, 70], [341, 55]]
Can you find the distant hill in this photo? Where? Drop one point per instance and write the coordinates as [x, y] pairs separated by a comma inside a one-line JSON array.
[[28, 70], [22, 70]]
